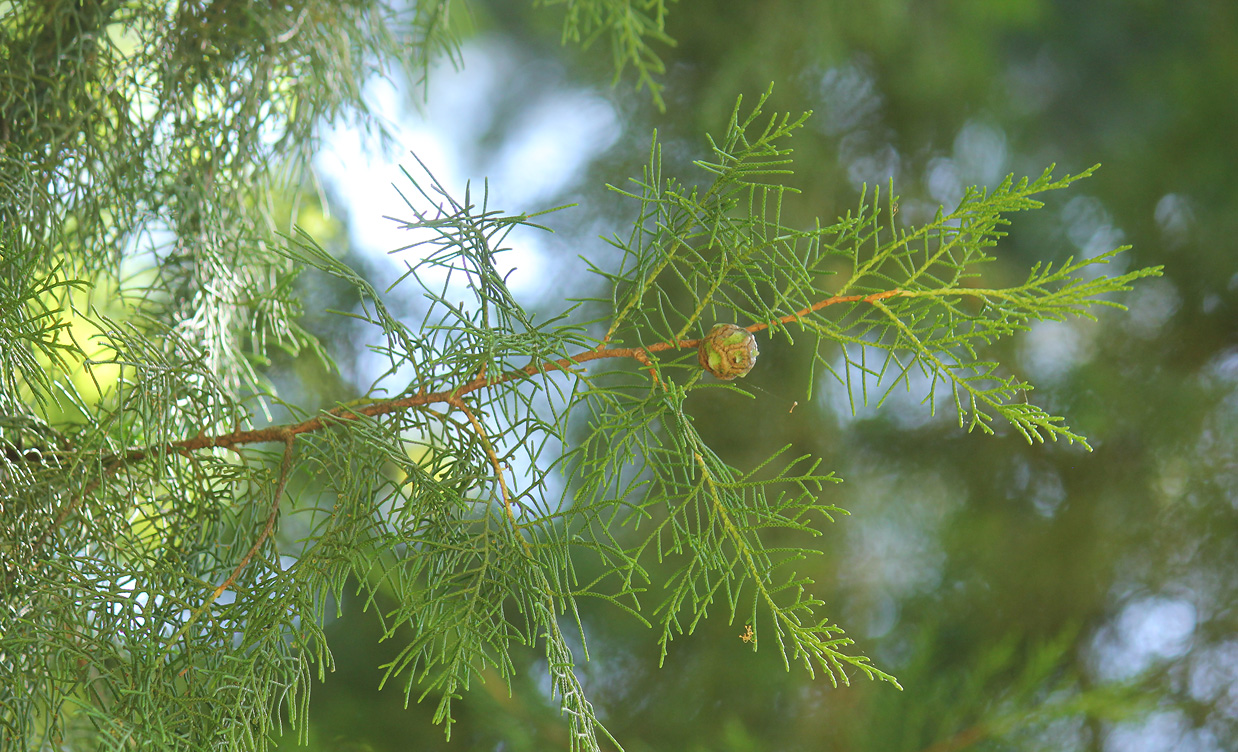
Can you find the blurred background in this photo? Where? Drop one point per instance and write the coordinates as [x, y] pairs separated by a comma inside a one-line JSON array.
[[1027, 597]]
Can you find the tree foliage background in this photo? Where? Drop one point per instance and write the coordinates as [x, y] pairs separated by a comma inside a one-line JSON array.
[[175, 575]]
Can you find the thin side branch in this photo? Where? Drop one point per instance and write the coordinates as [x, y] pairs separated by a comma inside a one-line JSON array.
[[285, 469], [494, 458]]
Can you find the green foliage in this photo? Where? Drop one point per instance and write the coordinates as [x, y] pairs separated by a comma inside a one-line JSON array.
[[631, 26], [170, 552], [942, 318]]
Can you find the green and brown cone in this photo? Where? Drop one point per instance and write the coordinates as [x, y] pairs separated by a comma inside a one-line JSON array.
[[728, 351]]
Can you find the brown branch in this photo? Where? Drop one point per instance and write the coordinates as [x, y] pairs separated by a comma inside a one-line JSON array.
[[872, 298], [643, 358], [344, 413]]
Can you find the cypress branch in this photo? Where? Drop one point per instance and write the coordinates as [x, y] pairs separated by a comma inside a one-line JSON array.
[[168, 559]]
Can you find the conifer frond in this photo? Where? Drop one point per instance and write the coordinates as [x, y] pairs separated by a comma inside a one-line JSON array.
[[911, 292], [172, 553]]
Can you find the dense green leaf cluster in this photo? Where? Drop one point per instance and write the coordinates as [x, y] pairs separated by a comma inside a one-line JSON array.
[[170, 553]]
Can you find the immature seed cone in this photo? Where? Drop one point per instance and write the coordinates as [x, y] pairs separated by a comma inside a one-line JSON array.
[[728, 351]]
